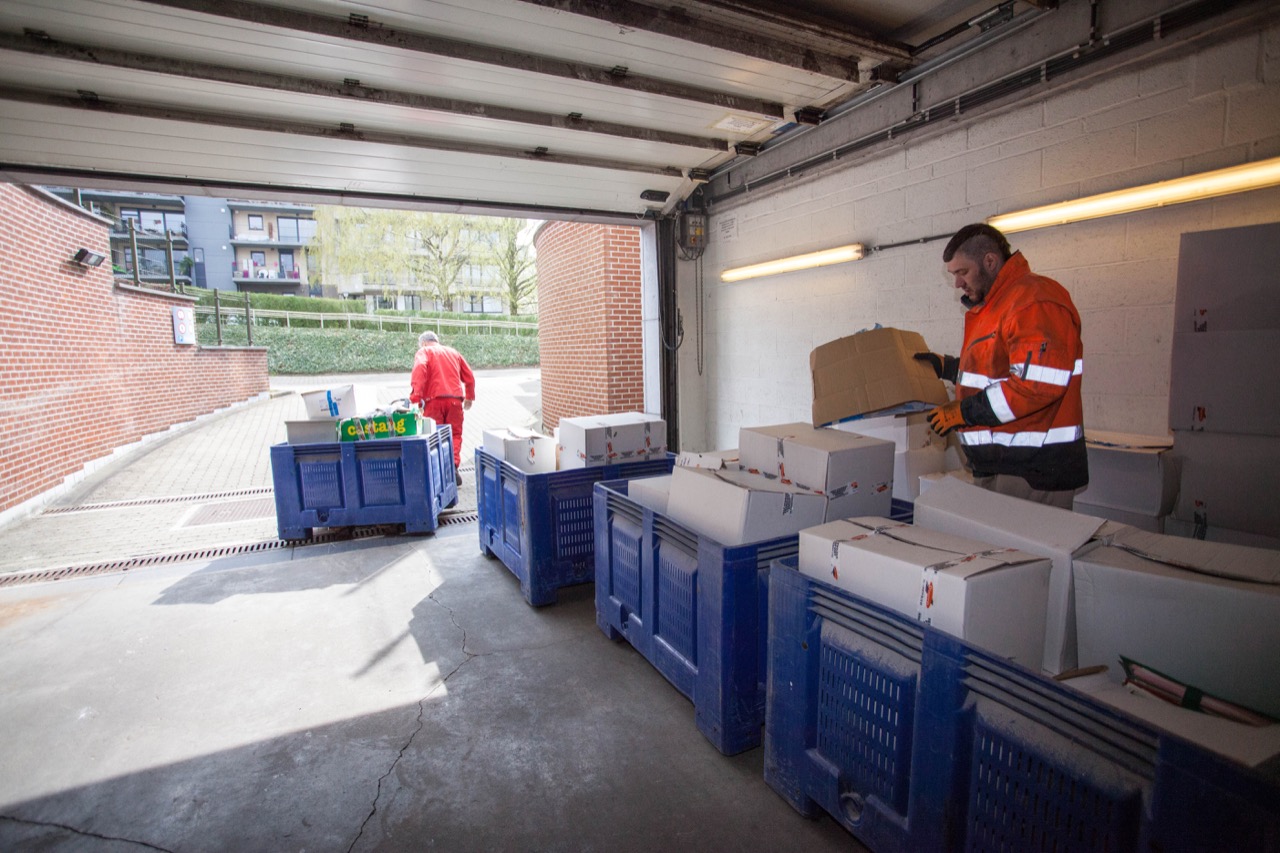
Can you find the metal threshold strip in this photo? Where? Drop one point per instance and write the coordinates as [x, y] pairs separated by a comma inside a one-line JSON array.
[[170, 499], [323, 537]]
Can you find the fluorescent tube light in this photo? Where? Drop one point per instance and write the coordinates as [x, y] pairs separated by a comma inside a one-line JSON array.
[[827, 257], [1250, 176]]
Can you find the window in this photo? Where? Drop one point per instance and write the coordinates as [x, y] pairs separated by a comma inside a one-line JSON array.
[[199, 255], [127, 216], [255, 222], [153, 221], [258, 259], [295, 230], [473, 304], [287, 269], [412, 302]]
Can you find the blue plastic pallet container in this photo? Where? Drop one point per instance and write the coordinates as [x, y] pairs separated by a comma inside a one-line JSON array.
[[352, 483], [444, 474], [694, 608], [539, 525], [915, 740]]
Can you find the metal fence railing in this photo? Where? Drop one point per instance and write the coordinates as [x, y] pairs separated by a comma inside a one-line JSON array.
[[232, 307]]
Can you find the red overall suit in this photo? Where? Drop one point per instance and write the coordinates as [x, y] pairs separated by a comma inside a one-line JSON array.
[[441, 381]]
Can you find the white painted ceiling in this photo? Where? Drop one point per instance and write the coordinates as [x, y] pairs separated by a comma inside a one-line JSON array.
[[572, 108]]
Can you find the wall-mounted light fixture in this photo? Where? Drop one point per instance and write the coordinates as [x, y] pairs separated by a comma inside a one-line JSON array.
[[1250, 176], [86, 258], [827, 257]]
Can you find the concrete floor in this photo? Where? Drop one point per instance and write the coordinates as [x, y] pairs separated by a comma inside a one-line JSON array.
[[381, 694]]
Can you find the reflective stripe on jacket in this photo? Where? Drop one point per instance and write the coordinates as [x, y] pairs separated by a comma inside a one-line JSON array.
[[440, 371], [1020, 378]]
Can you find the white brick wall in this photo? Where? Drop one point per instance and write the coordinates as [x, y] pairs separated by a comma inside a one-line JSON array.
[[1215, 107]]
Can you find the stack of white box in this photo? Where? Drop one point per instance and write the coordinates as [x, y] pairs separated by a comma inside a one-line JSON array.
[[918, 450], [531, 452], [1132, 479], [596, 440], [1222, 397]]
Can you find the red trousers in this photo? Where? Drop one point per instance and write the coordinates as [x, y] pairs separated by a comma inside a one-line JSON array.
[[448, 410]]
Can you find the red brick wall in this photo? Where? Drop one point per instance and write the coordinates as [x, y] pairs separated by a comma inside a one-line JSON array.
[[589, 320], [88, 366]]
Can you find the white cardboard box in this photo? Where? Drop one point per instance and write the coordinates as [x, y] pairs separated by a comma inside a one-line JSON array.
[[992, 597], [855, 472], [736, 507], [1225, 382], [1214, 632], [1229, 481], [311, 431], [910, 465], [651, 492], [1245, 744], [907, 432], [711, 459], [339, 402], [1149, 523], [1134, 473], [597, 440], [956, 507], [531, 452]]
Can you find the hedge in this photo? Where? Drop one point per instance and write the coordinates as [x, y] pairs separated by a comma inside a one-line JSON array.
[[315, 351]]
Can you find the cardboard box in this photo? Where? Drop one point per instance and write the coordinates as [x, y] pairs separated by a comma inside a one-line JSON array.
[[1225, 382], [1149, 523], [651, 492], [927, 481], [1133, 473], [589, 442], [1227, 280], [1205, 614], [389, 425], [337, 402], [855, 472], [907, 432], [910, 465], [531, 452], [737, 507], [990, 596], [959, 508], [1215, 533], [712, 460], [872, 371], [1229, 481], [311, 431], [1244, 744]]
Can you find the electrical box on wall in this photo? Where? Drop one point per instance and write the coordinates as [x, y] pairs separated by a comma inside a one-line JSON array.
[[693, 231]]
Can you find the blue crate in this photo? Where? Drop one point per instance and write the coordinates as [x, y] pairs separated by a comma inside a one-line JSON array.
[[900, 510], [351, 483], [914, 740], [694, 608], [539, 525], [444, 475]]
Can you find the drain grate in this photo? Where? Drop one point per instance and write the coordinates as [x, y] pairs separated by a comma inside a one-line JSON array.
[[458, 518], [170, 499], [229, 511]]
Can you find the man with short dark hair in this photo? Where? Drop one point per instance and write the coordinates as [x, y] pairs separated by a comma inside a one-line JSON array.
[[443, 383], [1018, 406]]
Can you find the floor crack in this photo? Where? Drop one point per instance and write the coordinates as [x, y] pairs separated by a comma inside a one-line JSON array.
[[85, 833], [422, 703]]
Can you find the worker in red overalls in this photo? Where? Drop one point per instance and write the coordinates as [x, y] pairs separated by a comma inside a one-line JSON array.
[[443, 383]]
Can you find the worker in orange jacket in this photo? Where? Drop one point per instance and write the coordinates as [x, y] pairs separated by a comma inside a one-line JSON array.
[[443, 383], [1018, 407]]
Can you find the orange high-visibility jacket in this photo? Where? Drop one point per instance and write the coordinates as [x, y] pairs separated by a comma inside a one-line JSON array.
[[440, 371], [1019, 381]]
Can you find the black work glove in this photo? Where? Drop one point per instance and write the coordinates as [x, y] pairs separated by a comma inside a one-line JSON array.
[[944, 366]]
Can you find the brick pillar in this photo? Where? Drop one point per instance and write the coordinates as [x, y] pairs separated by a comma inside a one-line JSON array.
[[589, 320]]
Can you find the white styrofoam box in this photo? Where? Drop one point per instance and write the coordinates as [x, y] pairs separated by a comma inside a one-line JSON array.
[[955, 460], [1149, 523], [907, 432], [711, 459], [854, 471], [910, 465], [339, 402], [990, 596], [953, 506], [651, 492], [597, 440], [311, 431], [737, 507], [1227, 280], [1134, 473], [1225, 381], [1164, 602], [1249, 745], [531, 452], [1228, 481]]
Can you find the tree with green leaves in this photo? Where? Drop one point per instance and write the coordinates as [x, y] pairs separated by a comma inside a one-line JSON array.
[[512, 261]]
